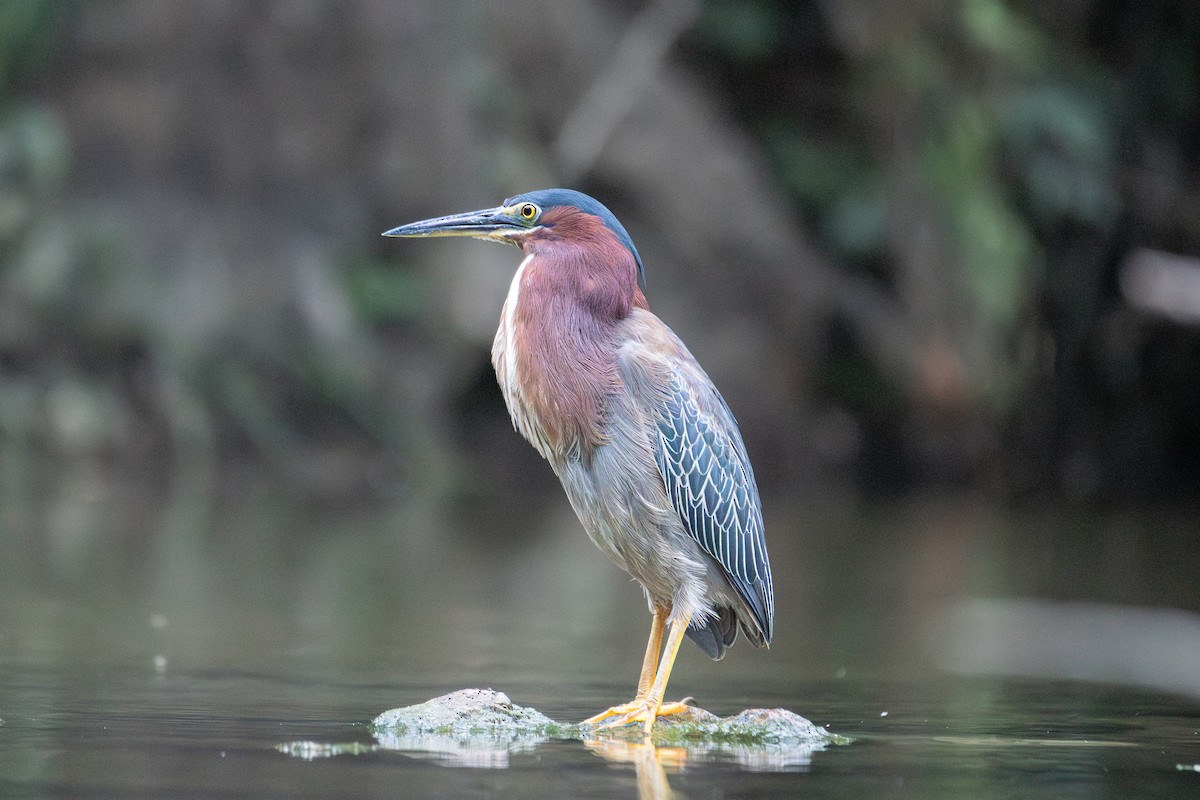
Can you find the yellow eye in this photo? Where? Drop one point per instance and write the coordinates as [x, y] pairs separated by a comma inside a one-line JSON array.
[[529, 211]]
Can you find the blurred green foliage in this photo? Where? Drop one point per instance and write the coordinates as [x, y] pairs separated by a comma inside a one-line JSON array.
[[968, 158], [382, 293], [35, 263], [745, 30], [974, 171], [105, 354], [28, 31]]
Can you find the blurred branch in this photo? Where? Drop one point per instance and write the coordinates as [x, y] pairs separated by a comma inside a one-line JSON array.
[[1163, 283], [639, 56]]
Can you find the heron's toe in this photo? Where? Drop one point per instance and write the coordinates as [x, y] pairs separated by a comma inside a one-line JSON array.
[[644, 712], [616, 711], [679, 707]]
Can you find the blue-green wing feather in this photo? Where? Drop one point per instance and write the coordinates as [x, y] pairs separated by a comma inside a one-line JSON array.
[[711, 485]]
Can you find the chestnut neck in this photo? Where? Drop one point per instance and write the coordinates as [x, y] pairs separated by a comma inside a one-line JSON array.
[[580, 283]]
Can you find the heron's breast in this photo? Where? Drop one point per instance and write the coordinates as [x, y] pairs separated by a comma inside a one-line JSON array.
[[555, 362], [506, 357]]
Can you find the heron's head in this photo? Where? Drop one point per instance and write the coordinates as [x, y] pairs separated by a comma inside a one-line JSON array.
[[545, 215]]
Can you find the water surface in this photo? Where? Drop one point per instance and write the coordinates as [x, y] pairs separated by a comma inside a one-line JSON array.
[[168, 648], [124, 731]]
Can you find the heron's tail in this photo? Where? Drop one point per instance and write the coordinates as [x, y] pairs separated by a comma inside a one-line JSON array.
[[716, 634]]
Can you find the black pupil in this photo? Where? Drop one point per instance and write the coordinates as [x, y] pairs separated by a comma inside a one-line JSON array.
[[527, 211]]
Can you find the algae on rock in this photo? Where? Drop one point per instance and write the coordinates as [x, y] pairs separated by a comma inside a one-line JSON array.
[[469, 728], [483, 727]]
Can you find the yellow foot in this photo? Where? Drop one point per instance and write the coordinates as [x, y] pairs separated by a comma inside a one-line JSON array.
[[637, 710]]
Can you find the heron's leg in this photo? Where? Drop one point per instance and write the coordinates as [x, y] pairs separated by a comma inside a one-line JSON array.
[[654, 702], [646, 709], [646, 680], [657, 626]]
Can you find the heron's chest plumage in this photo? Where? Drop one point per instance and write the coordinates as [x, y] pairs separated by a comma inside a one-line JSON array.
[[506, 357], [555, 366]]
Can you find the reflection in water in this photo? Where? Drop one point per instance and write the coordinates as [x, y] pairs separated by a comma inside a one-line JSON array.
[[650, 762], [311, 751], [653, 763], [490, 751], [478, 751]]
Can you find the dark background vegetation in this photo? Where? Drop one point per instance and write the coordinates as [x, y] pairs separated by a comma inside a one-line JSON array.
[[899, 235]]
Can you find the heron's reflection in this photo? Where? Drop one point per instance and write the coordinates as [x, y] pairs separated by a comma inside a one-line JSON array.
[[651, 763]]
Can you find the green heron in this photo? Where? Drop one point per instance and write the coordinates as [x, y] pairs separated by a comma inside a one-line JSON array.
[[648, 452]]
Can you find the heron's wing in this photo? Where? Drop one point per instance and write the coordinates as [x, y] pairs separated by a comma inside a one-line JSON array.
[[707, 474]]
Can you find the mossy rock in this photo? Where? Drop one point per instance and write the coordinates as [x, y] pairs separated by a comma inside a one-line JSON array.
[[468, 712], [750, 727], [484, 728], [486, 713]]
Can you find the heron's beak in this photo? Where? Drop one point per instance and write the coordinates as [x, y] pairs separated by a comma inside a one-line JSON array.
[[500, 224]]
